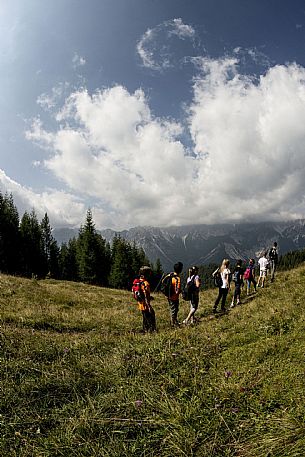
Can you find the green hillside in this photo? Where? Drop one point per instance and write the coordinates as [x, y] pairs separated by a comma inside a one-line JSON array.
[[78, 378]]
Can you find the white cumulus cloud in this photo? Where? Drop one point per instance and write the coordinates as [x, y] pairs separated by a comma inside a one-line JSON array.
[[247, 163], [118, 154], [252, 136], [62, 207]]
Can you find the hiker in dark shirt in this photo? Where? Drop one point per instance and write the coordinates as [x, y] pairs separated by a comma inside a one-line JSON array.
[[273, 260], [194, 280], [237, 278]]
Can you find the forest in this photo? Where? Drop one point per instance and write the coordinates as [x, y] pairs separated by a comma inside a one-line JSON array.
[[28, 249]]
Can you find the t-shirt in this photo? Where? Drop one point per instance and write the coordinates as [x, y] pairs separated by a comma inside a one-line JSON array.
[[263, 263], [238, 275], [225, 275], [194, 278]]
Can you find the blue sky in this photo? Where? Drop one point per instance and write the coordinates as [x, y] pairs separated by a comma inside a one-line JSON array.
[[153, 112]]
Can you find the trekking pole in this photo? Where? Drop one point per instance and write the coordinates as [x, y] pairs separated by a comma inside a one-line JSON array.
[[157, 286]]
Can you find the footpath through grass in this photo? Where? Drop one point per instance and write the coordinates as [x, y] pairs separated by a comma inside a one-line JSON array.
[[79, 379]]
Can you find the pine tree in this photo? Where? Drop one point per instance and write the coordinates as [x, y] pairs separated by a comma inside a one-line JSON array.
[[68, 266], [53, 260], [32, 253], [120, 264], [9, 235], [91, 254], [157, 273], [49, 247], [126, 261]]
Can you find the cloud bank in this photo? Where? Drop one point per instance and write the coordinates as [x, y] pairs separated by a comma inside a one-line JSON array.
[[247, 163]]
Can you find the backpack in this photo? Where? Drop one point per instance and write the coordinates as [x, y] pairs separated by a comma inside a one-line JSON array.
[[217, 279], [188, 290], [247, 273], [273, 254], [166, 285], [235, 276], [136, 290]]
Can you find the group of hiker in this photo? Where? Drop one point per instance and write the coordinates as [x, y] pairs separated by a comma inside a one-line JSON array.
[[171, 286]]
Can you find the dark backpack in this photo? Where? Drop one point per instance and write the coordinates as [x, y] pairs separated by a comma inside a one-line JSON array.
[[237, 276], [166, 284], [273, 255], [217, 279], [137, 290], [188, 290]]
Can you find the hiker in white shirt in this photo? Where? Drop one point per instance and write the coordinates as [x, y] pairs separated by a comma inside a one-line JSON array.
[[263, 266]]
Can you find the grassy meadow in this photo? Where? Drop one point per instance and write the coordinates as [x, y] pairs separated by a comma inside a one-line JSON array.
[[78, 378]]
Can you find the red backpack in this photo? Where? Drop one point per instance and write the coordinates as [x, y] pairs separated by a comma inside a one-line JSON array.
[[137, 290], [247, 273]]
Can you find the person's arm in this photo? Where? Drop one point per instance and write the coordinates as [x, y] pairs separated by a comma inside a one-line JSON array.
[[197, 282], [229, 279], [147, 295], [178, 284]]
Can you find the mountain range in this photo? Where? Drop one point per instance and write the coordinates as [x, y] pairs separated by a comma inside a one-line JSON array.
[[204, 244]]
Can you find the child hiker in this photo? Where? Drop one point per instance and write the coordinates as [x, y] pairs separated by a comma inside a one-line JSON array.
[[263, 266]]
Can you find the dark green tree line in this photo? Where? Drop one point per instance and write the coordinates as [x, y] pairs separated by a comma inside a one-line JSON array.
[[28, 248]]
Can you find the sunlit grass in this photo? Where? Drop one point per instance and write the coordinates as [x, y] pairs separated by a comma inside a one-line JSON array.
[[78, 378]]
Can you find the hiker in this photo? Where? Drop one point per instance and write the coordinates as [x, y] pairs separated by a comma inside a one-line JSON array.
[[263, 266], [148, 313], [237, 278], [193, 283], [175, 290], [249, 275], [224, 285], [273, 260]]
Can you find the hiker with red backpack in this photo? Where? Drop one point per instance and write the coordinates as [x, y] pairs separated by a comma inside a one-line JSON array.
[[249, 275], [141, 292]]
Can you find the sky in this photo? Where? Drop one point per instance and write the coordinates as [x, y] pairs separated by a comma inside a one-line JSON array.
[[153, 112]]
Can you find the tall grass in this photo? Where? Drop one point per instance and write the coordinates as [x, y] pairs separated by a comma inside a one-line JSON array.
[[78, 378]]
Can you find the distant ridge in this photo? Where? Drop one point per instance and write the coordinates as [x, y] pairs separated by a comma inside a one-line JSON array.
[[203, 244]]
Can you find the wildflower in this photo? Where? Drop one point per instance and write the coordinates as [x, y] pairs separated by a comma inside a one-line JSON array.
[[138, 403], [228, 374]]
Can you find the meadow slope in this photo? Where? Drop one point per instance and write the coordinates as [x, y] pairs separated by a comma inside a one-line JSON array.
[[78, 378]]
